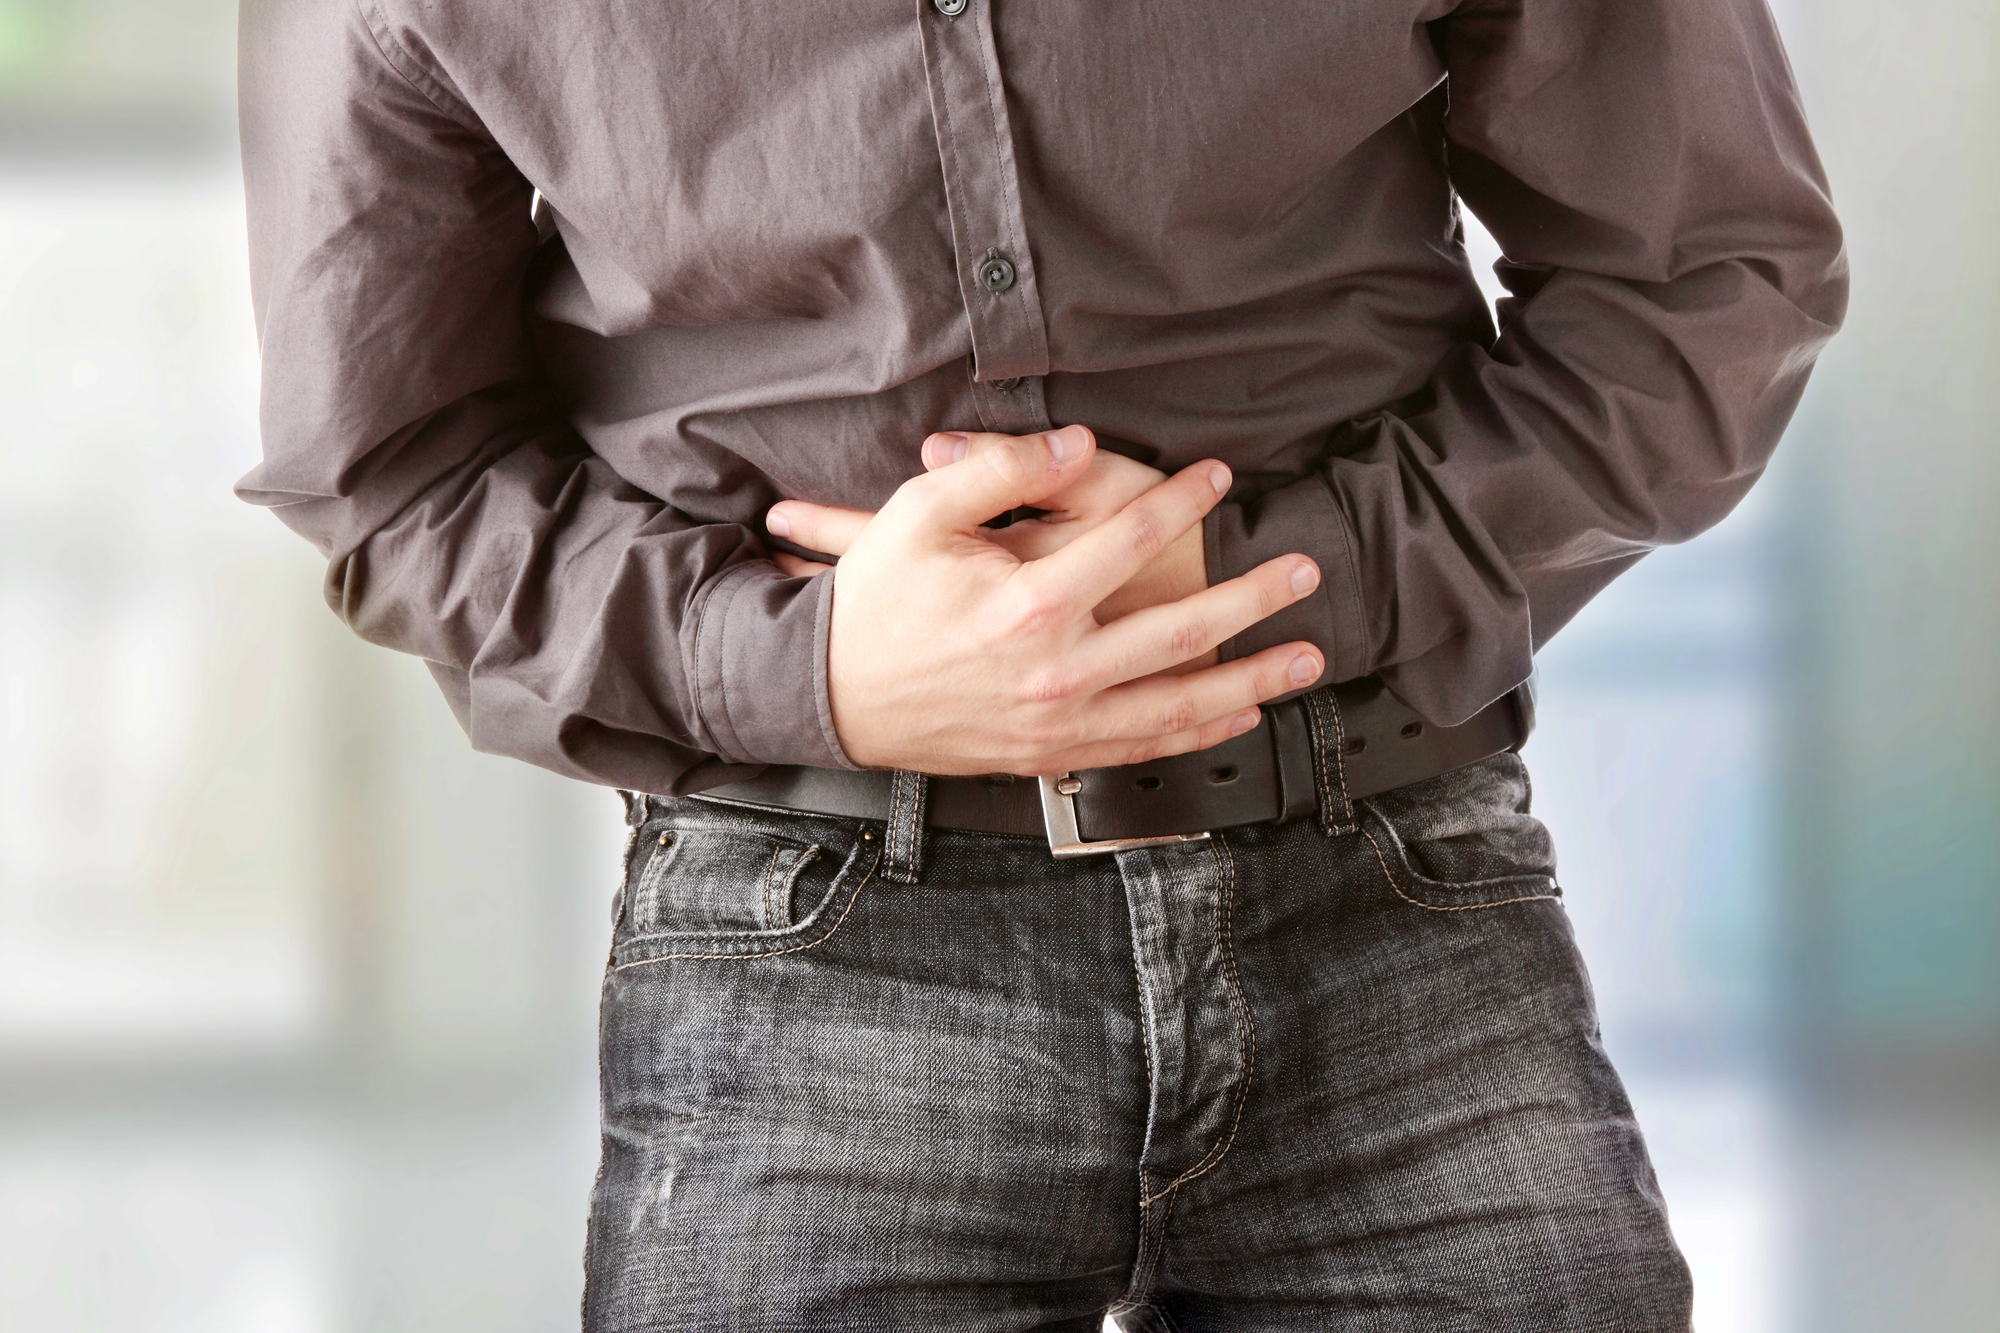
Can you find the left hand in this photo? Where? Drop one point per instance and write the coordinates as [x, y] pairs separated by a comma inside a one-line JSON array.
[[1112, 482]]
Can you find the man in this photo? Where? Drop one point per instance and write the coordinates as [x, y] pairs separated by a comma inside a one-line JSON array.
[[1171, 992]]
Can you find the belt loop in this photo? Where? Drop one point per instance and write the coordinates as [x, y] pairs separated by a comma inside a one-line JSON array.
[[1336, 811], [638, 806], [903, 858]]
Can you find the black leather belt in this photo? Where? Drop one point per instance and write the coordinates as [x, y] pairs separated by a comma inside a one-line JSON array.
[[1267, 775]]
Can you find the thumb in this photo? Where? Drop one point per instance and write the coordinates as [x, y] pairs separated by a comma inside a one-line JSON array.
[[993, 473]]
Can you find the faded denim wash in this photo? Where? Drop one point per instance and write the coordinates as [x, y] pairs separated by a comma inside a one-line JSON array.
[[1287, 1079]]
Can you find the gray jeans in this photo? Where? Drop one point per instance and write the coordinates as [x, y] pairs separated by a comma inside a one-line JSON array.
[[1339, 1076]]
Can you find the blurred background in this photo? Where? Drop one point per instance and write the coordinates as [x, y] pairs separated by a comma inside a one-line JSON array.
[[297, 993]]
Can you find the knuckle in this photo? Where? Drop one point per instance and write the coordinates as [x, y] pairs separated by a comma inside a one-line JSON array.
[[1051, 685], [917, 496], [1021, 745], [1019, 754], [1043, 764], [1034, 611], [1145, 535], [1006, 464], [1144, 752], [1048, 736], [1178, 714], [1188, 639]]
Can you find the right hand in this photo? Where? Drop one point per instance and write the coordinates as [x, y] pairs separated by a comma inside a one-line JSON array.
[[951, 655], [1107, 484]]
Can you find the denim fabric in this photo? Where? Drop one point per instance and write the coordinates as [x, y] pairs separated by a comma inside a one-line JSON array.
[[1286, 1079]]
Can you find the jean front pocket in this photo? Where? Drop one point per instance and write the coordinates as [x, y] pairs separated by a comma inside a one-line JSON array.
[[701, 884], [1463, 839]]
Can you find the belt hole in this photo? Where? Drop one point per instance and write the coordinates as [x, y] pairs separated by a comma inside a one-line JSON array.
[[1412, 730], [1227, 773], [999, 779], [1354, 745], [1147, 784]]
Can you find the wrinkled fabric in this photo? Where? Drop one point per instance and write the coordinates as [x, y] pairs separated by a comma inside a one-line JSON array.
[[1282, 1080], [779, 245]]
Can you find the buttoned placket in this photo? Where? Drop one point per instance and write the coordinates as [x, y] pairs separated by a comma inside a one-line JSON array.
[[996, 272]]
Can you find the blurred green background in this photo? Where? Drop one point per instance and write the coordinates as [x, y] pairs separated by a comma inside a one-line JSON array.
[[297, 994]]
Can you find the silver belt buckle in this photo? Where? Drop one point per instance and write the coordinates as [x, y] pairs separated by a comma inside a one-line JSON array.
[[1059, 818]]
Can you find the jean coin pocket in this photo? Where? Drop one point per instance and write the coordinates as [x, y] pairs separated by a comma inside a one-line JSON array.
[[1463, 839], [695, 880]]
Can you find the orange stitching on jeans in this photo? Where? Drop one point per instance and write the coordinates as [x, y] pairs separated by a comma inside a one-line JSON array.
[[1387, 874], [1145, 1201], [1318, 704], [789, 889], [1247, 1037], [897, 812], [831, 893], [646, 897], [1146, 1249], [906, 824], [770, 873], [852, 899], [1142, 1281], [1145, 1193], [1340, 757], [1246, 1031], [1319, 738]]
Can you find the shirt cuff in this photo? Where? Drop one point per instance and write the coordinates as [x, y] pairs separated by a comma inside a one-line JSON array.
[[1302, 518], [760, 668]]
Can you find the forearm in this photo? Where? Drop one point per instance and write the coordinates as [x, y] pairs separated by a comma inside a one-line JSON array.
[[576, 622], [1674, 267]]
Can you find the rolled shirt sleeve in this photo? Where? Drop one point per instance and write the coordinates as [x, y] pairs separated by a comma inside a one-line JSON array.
[[1673, 264], [573, 620]]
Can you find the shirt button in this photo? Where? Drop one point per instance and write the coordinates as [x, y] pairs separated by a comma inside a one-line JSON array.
[[996, 275], [1007, 385], [951, 9]]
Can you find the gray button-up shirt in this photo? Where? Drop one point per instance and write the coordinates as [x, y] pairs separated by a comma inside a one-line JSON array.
[[777, 246]]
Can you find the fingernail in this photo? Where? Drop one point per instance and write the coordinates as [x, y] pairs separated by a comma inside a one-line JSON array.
[[1218, 477], [1304, 670], [777, 525], [952, 445], [1243, 722], [1304, 579], [1063, 445]]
